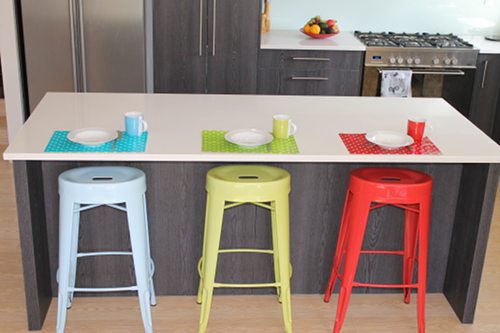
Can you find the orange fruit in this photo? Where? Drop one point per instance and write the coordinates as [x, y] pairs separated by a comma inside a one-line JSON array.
[[315, 29], [307, 28]]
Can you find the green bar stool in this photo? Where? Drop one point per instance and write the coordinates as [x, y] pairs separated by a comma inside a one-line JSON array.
[[240, 184]]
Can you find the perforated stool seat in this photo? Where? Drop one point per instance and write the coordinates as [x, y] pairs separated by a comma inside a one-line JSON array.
[[86, 188], [238, 185], [371, 188]]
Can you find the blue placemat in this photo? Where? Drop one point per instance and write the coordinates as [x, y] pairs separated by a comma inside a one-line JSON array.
[[59, 143]]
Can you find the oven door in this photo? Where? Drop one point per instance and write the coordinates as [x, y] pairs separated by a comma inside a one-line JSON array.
[[454, 85]]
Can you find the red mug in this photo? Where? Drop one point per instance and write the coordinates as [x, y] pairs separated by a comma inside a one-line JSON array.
[[416, 128]]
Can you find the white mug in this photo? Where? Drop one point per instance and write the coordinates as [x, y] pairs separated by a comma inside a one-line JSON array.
[[134, 123]]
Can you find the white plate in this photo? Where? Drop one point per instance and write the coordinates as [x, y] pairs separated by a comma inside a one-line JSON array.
[[248, 137], [389, 139], [92, 136]]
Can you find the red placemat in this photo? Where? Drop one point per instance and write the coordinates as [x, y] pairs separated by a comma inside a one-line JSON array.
[[357, 144]]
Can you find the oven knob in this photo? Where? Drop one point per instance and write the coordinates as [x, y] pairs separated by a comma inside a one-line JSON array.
[[446, 61], [409, 60], [435, 61], [454, 61], [392, 60], [417, 60], [400, 60]]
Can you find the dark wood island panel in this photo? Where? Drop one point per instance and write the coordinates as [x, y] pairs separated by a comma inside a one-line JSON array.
[[463, 194]]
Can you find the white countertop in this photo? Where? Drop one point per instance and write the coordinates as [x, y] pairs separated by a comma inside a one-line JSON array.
[[345, 41], [295, 40], [176, 122], [481, 43]]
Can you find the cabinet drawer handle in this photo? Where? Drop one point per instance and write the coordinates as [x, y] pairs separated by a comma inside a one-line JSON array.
[[484, 73], [310, 59], [319, 78]]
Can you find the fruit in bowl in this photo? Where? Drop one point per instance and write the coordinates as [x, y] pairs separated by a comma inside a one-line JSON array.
[[318, 28]]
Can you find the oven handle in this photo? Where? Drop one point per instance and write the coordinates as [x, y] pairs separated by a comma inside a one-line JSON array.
[[443, 72]]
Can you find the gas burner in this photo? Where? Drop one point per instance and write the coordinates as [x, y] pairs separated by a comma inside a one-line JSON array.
[[410, 43], [379, 42]]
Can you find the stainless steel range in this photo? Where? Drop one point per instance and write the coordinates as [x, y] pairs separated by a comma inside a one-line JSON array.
[[417, 50], [441, 65]]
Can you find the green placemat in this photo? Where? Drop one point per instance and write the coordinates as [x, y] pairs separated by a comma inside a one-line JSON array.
[[213, 141], [59, 143]]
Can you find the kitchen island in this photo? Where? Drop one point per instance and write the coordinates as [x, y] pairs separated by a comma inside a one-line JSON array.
[[465, 183]]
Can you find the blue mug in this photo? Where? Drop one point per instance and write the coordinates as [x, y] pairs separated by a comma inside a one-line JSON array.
[[135, 124]]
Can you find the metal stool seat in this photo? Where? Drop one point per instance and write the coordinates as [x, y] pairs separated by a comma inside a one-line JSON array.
[[86, 188], [371, 188], [237, 185]]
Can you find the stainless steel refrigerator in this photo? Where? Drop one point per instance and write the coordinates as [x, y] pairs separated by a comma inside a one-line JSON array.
[[85, 46]]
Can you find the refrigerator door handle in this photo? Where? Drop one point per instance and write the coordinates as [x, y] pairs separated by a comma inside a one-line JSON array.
[[82, 46], [74, 48], [201, 28], [214, 23]]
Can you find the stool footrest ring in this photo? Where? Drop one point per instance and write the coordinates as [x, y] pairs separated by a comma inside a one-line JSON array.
[[359, 284], [97, 290], [107, 253], [247, 285], [247, 251], [401, 253]]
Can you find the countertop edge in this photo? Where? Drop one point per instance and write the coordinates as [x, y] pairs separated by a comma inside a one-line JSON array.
[[254, 157]]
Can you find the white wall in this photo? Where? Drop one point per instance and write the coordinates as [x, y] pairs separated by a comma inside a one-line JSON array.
[[443, 16], [10, 68]]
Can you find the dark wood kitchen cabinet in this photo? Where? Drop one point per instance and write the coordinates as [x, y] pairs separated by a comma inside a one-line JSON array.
[[206, 46], [484, 105], [296, 72]]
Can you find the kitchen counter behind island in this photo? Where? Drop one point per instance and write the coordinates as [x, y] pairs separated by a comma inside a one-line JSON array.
[[465, 178]]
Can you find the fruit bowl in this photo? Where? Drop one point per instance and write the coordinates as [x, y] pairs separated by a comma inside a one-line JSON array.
[[317, 35]]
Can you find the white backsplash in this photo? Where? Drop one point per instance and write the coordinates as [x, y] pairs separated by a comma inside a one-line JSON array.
[[443, 16]]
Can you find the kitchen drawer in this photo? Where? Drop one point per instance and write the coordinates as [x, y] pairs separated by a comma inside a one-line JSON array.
[[308, 82], [296, 59]]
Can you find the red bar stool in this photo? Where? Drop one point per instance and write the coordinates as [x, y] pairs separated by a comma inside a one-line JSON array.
[[407, 189]]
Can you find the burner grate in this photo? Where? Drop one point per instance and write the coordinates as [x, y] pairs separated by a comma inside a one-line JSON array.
[[426, 40]]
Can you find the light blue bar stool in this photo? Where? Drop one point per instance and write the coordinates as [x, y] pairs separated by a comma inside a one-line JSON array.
[[89, 187]]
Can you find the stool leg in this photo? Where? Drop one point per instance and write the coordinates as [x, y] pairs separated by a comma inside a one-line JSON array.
[[66, 225], [215, 213], [410, 247], [276, 254], [74, 252], [152, 293], [138, 240], [423, 243], [339, 252], [283, 242], [359, 210], [200, 286]]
